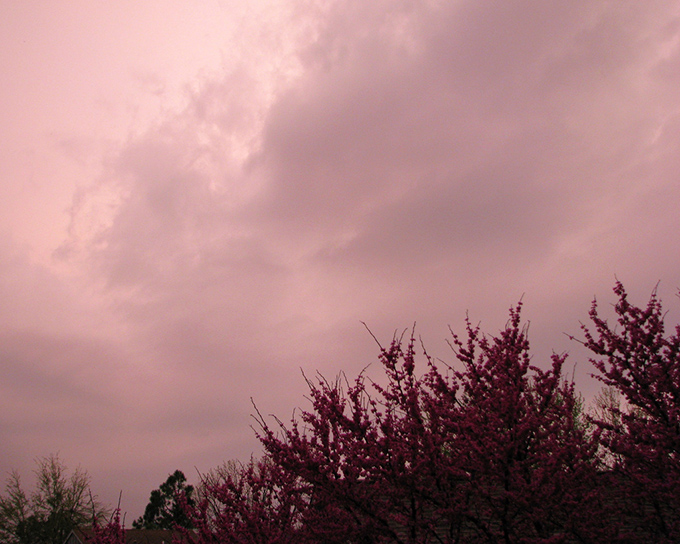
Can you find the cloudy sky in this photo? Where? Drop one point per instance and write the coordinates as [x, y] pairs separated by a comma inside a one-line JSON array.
[[200, 200]]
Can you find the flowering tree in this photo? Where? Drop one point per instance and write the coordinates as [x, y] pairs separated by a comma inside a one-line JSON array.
[[490, 449], [255, 503], [354, 457], [492, 452], [641, 435], [529, 463], [112, 532]]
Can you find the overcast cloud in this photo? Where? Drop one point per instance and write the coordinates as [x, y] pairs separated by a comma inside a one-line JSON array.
[[200, 203]]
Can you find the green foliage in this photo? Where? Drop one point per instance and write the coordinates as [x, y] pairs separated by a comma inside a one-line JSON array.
[[59, 503], [165, 509]]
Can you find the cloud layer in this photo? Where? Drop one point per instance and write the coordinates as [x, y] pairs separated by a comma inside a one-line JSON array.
[[389, 162]]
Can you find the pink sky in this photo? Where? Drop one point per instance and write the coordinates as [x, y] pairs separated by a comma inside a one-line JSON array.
[[200, 199]]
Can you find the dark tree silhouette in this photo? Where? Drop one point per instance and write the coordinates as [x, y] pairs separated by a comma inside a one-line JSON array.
[[59, 503], [164, 510]]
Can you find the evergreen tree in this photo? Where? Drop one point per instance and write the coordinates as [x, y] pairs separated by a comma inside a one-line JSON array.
[[165, 510]]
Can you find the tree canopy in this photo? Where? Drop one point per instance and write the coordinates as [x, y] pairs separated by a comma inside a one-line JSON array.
[[59, 503], [489, 448], [639, 361], [164, 510]]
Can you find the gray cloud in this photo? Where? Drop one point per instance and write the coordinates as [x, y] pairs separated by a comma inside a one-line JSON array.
[[426, 158]]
